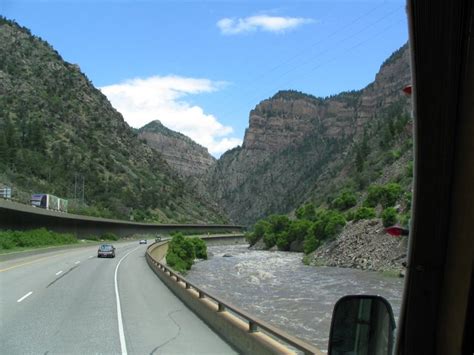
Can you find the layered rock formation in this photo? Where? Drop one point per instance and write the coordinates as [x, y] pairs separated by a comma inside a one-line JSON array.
[[297, 145], [185, 156]]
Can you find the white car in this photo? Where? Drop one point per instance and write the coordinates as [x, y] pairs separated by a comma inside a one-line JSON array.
[[142, 241]]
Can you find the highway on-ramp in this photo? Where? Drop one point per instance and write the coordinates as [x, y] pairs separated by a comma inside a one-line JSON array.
[[71, 302]]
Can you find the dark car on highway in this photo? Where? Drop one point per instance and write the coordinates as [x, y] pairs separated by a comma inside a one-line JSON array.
[[106, 250]]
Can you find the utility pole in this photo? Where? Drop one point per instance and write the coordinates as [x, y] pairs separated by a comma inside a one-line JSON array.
[[75, 189], [83, 183]]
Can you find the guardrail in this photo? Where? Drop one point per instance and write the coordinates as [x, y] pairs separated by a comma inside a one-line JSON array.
[[253, 324]]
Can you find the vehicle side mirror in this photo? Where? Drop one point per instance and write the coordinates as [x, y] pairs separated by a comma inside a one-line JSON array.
[[362, 325]]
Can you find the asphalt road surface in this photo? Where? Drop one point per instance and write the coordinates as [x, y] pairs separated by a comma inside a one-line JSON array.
[[71, 302]]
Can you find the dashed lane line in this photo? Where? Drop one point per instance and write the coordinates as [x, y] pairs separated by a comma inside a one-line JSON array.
[[22, 298], [59, 272]]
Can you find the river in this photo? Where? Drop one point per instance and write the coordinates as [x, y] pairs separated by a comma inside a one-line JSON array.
[[277, 287]]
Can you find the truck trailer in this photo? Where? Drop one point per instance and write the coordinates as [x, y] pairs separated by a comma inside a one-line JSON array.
[[49, 202]]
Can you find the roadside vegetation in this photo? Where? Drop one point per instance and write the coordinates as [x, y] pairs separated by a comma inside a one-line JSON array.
[[183, 251], [11, 241], [312, 226]]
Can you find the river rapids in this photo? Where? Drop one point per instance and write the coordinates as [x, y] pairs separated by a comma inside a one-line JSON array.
[[278, 288]]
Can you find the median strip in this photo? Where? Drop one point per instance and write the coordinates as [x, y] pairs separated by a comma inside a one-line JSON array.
[[21, 299]]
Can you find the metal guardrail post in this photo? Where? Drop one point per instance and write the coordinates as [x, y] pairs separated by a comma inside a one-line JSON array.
[[252, 327], [201, 294], [221, 307]]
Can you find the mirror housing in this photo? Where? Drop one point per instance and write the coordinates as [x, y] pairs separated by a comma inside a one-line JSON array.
[[362, 325]]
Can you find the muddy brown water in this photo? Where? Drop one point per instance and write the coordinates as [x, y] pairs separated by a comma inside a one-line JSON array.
[[278, 288]]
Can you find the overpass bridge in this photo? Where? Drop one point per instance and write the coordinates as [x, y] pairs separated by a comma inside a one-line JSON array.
[[17, 216]]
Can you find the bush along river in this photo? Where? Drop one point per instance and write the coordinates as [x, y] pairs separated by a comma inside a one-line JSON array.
[[278, 288]]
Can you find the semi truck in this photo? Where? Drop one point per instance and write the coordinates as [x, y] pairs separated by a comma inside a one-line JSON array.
[[49, 202]]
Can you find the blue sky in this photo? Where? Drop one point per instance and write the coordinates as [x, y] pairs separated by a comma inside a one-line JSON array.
[[201, 66]]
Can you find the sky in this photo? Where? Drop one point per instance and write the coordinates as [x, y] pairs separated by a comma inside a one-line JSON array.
[[200, 67]]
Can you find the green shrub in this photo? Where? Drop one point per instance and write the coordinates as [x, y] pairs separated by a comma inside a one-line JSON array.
[[298, 230], [6, 243], [345, 200], [364, 213], [259, 230], [328, 223], [283, 241], [389, 216], [374, 195], [251, 238], [200, 248], [181, 254], [176, 262], [307, 212], [311, 243], [350, 215], [269, 239], [387, 195], [278, 223], [391, 194]]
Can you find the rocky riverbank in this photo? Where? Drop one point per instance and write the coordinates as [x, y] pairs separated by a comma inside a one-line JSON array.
[[363, 245]]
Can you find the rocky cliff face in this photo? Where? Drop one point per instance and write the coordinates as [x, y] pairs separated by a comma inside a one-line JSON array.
[[185, 156], [297, 146]]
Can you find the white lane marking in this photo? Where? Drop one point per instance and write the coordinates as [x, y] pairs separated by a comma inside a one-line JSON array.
[[77, 262], [59, 272], [90, 257], [21, 299], [123, 345]]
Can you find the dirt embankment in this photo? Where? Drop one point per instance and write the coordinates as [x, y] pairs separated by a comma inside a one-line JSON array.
[[363, 245]]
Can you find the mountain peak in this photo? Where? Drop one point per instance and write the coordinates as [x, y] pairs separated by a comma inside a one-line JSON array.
[[186, 156]]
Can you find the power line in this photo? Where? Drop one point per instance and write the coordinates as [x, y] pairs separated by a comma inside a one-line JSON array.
[[314, 44], [336, 45]]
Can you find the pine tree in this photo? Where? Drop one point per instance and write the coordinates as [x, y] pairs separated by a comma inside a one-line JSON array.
[[11, 139]]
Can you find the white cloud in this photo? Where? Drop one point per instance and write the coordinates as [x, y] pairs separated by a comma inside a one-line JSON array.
[[232, 26], [163, 98]]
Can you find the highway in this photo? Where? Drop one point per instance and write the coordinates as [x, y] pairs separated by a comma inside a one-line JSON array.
[[71, 302]]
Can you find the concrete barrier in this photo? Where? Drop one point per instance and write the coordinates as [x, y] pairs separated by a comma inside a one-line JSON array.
[[237, 327]]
